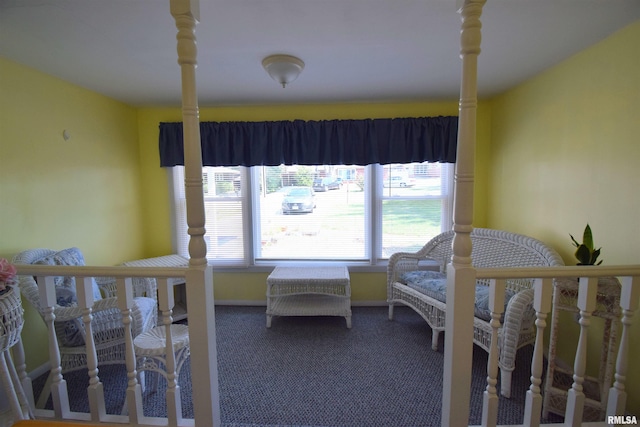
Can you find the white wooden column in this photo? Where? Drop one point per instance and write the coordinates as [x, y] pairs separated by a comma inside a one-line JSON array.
[[458, 344], [199, 280]]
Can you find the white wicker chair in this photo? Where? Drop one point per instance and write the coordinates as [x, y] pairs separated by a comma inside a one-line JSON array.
[[491, 249], [107, 323]]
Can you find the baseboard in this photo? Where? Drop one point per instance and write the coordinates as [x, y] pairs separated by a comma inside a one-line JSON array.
[[368, 303], [242, 302]]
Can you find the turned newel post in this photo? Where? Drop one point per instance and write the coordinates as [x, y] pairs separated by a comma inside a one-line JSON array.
[[186, 14], [460, 273], [470, 37], [199, 277]]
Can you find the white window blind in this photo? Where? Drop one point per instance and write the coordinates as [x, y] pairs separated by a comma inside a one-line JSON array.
[[223, 204]]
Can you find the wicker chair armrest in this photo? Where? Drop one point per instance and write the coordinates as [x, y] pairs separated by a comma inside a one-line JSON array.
[[108, 318], [142, 287], [402, 262], [107, 286], [145, 287], [70, 313], [519, 314]]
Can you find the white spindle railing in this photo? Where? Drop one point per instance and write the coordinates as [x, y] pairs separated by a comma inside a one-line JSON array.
[[95, 392], [543, 288], [586, 303]]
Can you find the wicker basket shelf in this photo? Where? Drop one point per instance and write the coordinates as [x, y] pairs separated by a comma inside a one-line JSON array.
[[11, 318], [559, 378]]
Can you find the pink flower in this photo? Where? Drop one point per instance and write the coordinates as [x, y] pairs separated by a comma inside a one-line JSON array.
[[7, 271]]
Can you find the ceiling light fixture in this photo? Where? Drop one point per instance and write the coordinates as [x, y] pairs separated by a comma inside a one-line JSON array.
[[283, 68]]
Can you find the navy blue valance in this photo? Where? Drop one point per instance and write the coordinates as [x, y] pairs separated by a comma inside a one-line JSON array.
[[326, 142]]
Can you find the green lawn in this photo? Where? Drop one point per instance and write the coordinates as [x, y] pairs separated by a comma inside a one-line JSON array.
[[400, 217]]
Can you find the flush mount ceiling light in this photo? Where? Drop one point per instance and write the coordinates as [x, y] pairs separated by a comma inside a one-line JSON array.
[[283, 68]]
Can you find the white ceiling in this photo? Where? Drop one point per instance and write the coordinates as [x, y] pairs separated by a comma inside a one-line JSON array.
[[354, 50]]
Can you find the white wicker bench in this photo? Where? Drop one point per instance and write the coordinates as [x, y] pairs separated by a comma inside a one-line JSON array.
[[408, 283]]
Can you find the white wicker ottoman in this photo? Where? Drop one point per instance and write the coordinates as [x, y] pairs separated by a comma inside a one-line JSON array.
[[309, 291]]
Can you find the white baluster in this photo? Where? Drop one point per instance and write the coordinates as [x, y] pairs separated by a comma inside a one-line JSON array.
[[57, 384], [21, 367], [587, 290], [542, 305], [84, 290], [490, 398], [23, 403], [629, 296], [166, 303], [134, 392], [7, 384]]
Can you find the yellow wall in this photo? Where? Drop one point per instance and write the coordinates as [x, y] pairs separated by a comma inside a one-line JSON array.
[[57, 193], [565, 152], [54, 193]]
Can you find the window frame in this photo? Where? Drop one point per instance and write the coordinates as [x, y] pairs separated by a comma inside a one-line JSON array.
[[373, 217]]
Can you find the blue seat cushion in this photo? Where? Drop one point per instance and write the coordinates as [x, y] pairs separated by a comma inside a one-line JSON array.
[[71, 257], [434, 285]]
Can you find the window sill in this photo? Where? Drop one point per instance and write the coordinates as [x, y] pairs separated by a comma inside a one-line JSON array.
[[268, 267]]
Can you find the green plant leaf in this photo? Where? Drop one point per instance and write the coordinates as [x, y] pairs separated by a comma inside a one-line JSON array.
[[583, 255], [587, 238], [575, 243]]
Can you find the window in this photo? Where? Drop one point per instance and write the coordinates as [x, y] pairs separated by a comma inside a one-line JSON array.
[[355, 214]]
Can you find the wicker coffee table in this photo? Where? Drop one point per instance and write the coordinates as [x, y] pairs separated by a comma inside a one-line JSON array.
[[309, 291]]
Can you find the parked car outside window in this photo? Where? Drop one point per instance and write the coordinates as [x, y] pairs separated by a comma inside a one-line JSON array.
[[398, 181], [298, 199], [327, 183]]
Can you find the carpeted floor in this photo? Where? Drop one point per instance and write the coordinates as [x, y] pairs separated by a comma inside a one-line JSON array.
[[313, 371]]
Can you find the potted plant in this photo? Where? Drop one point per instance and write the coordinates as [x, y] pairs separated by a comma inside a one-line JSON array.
[[586, 254], [7, 275]]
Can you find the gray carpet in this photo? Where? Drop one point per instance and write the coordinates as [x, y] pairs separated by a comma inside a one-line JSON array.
[[313, 371]]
